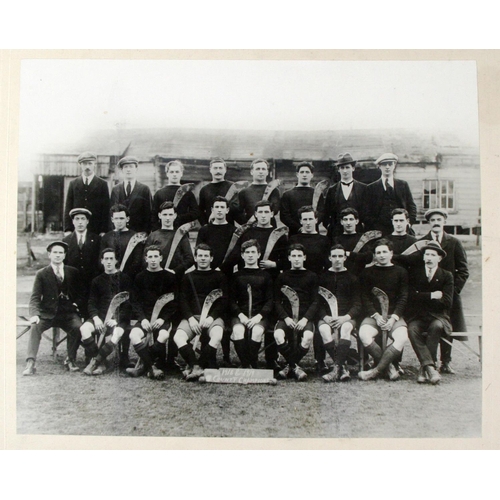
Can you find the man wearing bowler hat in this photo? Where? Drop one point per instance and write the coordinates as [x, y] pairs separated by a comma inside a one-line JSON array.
[[455, 262], [386, 194], [347, 193], [90, 192], [134, 195], [429, 304], [83, 251], [55, 302]]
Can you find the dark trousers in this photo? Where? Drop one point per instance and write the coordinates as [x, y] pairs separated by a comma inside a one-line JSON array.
[[70, 322], [424, 337], [458, 325]]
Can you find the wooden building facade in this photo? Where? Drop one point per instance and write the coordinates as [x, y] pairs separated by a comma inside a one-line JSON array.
[[441, 170]]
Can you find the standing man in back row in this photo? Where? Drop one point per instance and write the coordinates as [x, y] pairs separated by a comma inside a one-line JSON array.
[[386, 194], [217, 187], [90, 192], [299, 196], [249, 197], [347, 193], [133, 195]]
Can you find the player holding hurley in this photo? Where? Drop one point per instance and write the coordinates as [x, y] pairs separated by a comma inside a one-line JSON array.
[[203, 296], [251, 304], [156, 293], [343, 299], [296, 302], [107, 292], [384, 294]]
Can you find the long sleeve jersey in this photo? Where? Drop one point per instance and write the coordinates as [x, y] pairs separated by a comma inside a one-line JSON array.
[[262, 292], [187, 209], [305, 284], [345, 286], [183, 257]]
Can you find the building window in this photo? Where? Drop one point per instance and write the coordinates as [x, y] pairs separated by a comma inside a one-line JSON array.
[[439, 193]]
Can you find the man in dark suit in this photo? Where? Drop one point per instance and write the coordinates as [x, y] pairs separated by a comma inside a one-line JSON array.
[[386, 194], [429, 304], [90, 192], [83, 252], [456, 263], [134, 195], [347, 193], [54, 301]]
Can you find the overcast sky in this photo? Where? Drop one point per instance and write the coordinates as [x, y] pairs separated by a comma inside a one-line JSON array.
[[63, 100]]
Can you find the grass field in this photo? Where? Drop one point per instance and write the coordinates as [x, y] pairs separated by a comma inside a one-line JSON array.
[[56, 402]]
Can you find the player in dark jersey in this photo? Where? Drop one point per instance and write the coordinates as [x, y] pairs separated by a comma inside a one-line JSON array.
[[119, 238], [251, 303], [400, 238], [393, 281], [195, 287], [150, 285], [102, 291], [295, 326], [344, 285], [182, 258]]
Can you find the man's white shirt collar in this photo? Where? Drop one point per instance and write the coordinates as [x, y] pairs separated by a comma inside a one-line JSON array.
[[90, 177]]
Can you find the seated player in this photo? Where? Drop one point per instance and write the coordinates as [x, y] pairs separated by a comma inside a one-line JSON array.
[[195, 287], [294, 330], [55, 301], [251, 304], [400, 238], [119, 238], [428, 315], [393, 281], [102, 291], [150, 285], [182, 258], [345, 287]]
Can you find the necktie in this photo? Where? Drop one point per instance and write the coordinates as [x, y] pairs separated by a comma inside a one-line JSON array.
[[388, 188], [347, 183], [80, 242], [129, 189], [59, 274], [86, 181], [429, 275]]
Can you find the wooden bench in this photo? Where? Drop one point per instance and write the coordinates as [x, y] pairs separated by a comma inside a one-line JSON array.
[[55, 338], [457, 335]]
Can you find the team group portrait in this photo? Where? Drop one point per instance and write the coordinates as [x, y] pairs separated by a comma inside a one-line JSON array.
[[280, 281]]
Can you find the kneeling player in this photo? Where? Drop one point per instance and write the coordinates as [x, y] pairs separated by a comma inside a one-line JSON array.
[[103, 290], [154, 287], [384, 294], [251, 303], [202, 308], [296, 297], [345, 289]]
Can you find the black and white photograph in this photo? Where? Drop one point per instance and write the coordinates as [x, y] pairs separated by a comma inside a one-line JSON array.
[[249, 249]]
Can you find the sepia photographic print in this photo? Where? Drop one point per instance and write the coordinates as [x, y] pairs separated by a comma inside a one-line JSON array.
[[248, 249]]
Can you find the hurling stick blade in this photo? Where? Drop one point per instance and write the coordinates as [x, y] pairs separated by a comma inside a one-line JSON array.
[[293, 298], [365, 238], [417, 246], [383, 300], [331, 300], [133, 242]]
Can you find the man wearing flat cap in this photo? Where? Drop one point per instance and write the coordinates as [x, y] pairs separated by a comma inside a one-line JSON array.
[[348, 193], [455, 262], [83, 251], [55, 302], [90, 192], [134, 195], [428, 312], [386, 194]]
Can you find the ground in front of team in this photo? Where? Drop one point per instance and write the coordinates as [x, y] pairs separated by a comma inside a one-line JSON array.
[[56, 402]]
